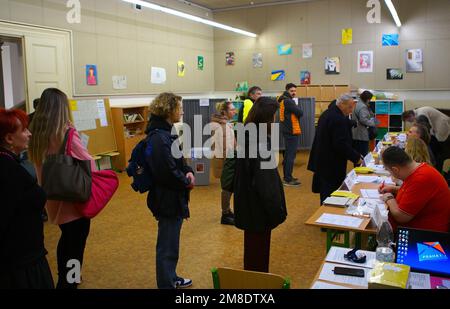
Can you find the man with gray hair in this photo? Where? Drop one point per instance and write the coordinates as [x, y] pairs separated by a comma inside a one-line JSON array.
[[332, 148]]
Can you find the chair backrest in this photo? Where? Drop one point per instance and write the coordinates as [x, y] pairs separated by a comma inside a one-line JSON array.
[[228, 278]]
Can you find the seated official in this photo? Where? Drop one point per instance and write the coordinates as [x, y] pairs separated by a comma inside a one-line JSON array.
[[423, 201]]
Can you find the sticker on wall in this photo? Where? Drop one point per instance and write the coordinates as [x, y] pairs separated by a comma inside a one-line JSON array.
[[347, 36], [284, 49], [307, 50], [332, 65], [158, 75], [278, 75], [257, 60], [229, 58], [365, 61], [390, 40], [414, 60], [119, 82], [242, 86], [305, 77], [181, 68], [91, 75], [394, 74], [200, 63]]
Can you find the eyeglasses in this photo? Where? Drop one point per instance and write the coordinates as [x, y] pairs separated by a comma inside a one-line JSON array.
[[352, 256]]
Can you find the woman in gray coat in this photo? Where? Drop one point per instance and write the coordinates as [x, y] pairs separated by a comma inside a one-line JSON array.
[[364, 118]]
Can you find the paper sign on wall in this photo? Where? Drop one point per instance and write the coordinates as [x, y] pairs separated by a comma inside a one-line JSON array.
[[119, 82], [73, 105], [102, 113], [414, 60], [347, 36], [307, 50], [158, 75], [181, 68], [365, 61], [204, 102]]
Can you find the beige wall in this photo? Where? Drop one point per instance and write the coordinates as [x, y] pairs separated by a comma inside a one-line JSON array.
[[122, 41], [426, 25]]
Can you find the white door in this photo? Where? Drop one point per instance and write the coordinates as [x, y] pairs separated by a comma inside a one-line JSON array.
[[47, 60]]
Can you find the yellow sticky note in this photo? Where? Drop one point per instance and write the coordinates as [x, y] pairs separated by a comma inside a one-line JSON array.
[[347, 36], [73, 105], [363, 170], [181, 69]]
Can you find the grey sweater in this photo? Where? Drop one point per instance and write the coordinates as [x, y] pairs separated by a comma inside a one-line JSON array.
[[365, 118]]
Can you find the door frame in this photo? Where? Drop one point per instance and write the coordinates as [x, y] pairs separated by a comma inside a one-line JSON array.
[[24, 30]]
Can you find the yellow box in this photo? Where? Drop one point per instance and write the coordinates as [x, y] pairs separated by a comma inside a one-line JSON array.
[[389, 276]]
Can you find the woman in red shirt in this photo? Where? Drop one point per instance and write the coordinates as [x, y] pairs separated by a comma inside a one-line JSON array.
[[423, 201]]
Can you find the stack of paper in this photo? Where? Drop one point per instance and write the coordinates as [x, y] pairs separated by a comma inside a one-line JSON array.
[[342, 193], [368, 179], [370, 194], [338, 201], [339, 220], [364, 170]]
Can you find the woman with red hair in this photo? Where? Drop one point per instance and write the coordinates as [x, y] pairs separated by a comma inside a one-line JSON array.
[[23, 264]]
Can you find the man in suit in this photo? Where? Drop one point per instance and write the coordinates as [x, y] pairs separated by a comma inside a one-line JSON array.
[[332, 148]]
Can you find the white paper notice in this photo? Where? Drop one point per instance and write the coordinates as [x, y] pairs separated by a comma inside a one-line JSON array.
[[350, 180], [204, 102], [370, 193], [119, 82], [158, 75], [327, 274], [84, 139], [418, 281], [336, 255], [340, 220], [85, 125], [102, 113], [368, 179], [321, 285]]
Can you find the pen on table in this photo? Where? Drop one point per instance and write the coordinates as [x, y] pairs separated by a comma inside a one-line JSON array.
[[358, 215]]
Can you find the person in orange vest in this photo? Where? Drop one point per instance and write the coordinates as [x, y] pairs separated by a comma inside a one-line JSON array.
[[290, 115]]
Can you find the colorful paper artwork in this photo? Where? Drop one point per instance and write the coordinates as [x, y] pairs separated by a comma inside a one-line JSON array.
[[390, 39], [91, 75], [284, 49], [229, 58], [307, 50], [278, 75], [181, 69], [414, 60], [394, 74], [332, 65], [365, 61], [347, 36], [200, 63], [242, 86], [305, 77]]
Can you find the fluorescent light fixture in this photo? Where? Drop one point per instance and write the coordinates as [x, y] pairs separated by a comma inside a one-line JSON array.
[[394, 14], [190, 17]]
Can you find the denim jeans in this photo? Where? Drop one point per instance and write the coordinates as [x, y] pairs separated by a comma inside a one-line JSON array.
[[167, 250], [290, 145]]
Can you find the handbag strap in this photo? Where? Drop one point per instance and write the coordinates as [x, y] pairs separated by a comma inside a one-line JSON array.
[[66, 147]]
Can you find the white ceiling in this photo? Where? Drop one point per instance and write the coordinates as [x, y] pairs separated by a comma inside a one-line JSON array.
[[228, 4]]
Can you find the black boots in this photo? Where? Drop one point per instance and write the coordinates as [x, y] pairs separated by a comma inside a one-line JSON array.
[[227, 219]]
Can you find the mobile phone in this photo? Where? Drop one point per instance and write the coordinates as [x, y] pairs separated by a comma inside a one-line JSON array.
[[354, 272]]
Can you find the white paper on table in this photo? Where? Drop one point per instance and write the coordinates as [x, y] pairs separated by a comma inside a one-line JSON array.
[[340, 220], [418, 281], [321, 285], [337, 201], [102, 113], [204, 102], [368, 179], [84, 139], [158, 75], [370, 193], [336, 255], [350, 180], [327, 274]]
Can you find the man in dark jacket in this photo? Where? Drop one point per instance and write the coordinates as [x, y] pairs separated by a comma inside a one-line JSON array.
[[169, 194], [290, 115], [332, 147]]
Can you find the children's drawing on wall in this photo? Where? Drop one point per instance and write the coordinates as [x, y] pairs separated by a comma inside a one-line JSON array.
[[390, 40], [393, 74], [91, 75], [200, 63], [181, 68], [229, 58], [277, 75], [257, 60], [284, 49], [307, 50], [242, 86], [365, 61], [332, 65], [347, 36], [305, 77], [414, 60]]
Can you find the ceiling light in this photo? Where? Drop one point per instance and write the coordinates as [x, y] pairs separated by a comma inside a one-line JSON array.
[[190, 17], [394, 14]]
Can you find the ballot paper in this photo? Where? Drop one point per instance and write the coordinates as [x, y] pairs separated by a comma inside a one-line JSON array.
[[339, 220], [336, 255], [338, 201], [370, 193], [368, 179], [321, 285], [418, 281], [368, 159], [327, 274]]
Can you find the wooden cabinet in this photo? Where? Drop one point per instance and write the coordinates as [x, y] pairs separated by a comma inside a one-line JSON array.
[[129, 127]]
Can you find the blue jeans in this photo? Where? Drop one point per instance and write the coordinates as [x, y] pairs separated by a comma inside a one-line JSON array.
[[167, 250], [290, 145]]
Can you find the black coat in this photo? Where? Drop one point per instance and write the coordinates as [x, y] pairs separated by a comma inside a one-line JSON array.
[[169, 195], [259, 202], [21, 226], [332, 147]]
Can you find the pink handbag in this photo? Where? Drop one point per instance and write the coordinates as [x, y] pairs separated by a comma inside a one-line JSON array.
[[104, 185]]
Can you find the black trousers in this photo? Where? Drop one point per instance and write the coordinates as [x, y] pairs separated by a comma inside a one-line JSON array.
[[257, 251], [35, 275], [71, 247]]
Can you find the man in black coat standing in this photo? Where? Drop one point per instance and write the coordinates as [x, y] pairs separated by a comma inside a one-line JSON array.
[[332, 148]]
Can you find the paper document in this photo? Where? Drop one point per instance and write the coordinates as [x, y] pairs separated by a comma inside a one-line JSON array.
[[84, 140], [327, 274], [370, 193], [204, 102], [418, 281], [340, 220], [102, 113], [336, 255], [368, 179], [337, 201], [321, 285], [369, 159]]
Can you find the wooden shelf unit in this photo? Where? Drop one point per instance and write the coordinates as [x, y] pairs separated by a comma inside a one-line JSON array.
[[125, 144]]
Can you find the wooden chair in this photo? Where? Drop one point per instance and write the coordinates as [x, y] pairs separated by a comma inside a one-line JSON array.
[[228, 278]]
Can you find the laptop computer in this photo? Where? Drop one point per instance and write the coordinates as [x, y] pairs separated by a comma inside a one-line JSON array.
[[424, 251]]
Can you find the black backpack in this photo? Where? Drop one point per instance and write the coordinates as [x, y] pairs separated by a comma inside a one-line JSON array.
[[138, 167]]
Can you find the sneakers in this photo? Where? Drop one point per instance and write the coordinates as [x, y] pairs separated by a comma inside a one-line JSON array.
[[292, 183], [227, 219], [182, 283]]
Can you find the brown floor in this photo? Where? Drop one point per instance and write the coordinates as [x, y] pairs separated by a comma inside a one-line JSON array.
[[120, 252]]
